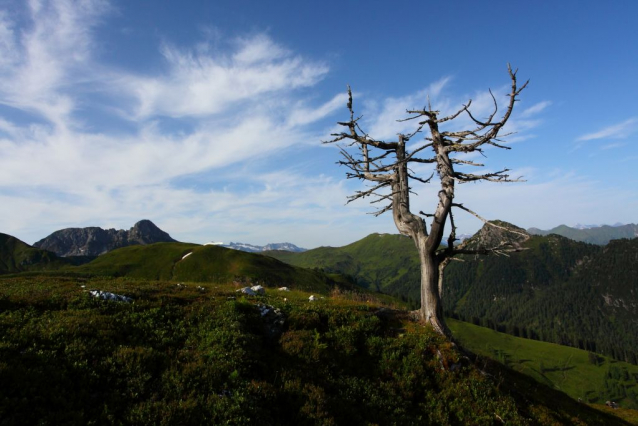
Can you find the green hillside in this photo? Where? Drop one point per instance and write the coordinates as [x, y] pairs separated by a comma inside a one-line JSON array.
[[546, 292], [212, 264], [591, 377], [380, 262], [202, 354], [558, 291], [17, 256]]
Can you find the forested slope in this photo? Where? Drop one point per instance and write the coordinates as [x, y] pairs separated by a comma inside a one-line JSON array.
[[557, 289]]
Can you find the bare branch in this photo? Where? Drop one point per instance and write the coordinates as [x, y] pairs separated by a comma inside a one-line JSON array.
[[469, 163], [422, 180], [491, 177], [487, 222]]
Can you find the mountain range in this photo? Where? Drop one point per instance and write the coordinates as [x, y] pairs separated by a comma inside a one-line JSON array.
[[94, 241], [593, 234], [258, 249]]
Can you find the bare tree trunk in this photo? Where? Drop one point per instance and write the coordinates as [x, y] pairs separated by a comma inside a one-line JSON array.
[[444, 146], [431, 307], [414, 226]]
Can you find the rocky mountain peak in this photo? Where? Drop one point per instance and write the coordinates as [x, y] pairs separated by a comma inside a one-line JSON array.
[[146, 232], [498, 233], [94, 241]]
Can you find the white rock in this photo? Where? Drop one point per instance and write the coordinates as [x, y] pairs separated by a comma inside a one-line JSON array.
[[105, 295], [247, 290], [258, 289], [312, 298], [284, 289]]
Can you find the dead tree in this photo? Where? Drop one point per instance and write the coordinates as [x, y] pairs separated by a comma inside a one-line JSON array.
[[386, 165]]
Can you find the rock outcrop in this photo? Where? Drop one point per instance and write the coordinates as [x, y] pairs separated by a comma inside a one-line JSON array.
[[94, 241]]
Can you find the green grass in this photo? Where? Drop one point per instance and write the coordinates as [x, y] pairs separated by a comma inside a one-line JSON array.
[[17, 256], [200, 353], [593, 378], [151, 262], [379, 261], [212, 264]]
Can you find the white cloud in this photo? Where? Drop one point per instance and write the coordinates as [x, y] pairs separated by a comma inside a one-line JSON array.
[[612, 146], [617, 131], [41, 60], [381, 122], [202, 82], [535, 109], [244, 105]]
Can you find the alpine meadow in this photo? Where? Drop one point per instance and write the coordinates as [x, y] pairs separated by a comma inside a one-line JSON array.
[[334, 213]]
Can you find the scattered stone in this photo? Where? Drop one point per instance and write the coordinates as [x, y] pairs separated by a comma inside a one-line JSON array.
[[247, 290], [312, 298], [612, 404], [273, 319], [200, 288], [105, 295], [284, 289], [258, 289], [180, 285]]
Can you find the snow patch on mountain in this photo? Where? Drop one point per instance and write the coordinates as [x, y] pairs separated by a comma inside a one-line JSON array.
[[257, 249]]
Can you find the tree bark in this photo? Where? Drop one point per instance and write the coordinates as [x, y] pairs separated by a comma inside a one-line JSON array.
[[414, 227], [431, 309]]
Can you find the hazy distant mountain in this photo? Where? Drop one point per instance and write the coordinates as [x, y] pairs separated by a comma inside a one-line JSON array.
[[258, 249], [592, 234], [580, 226], [94, 241]]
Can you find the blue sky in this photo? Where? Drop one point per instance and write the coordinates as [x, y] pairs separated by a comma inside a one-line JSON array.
[[207, 116]]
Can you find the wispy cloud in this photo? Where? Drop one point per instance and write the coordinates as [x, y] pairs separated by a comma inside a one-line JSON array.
[[616, 131], [204, 82], [612, 146], [535, 109], [40, 62], [381, 119], [242, 104]]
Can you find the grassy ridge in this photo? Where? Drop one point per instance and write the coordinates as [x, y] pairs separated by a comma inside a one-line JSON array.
[[213, 264], [379, 262], [185, 355], [578, 373], [151, 262], [17, 256]]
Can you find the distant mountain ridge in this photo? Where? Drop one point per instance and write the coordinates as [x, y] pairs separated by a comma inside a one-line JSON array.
[[94, 241], [592, 234], [250, 248]]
